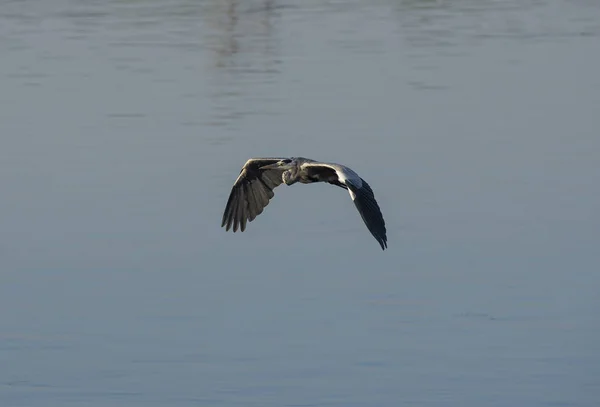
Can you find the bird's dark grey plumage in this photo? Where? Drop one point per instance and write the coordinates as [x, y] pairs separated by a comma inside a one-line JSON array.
[[258, 178]]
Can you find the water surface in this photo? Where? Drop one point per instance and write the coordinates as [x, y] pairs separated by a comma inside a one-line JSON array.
[[123, 125]]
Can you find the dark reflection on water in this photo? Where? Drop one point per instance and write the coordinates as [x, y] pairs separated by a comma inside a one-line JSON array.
[[242, 38], [124, 123]]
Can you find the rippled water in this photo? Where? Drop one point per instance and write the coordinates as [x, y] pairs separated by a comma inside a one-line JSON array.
[[124, 123]]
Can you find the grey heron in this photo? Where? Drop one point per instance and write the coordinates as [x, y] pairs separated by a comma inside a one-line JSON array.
[[254, 186]]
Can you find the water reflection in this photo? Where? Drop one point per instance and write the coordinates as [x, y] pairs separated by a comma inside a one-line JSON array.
[[242, 38], [240, 32], [227, 44], [439, 23]]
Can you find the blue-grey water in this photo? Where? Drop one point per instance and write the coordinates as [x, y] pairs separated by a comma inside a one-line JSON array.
[[123, 125]]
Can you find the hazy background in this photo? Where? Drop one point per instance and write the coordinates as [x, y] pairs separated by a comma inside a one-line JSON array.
[[123, 125]]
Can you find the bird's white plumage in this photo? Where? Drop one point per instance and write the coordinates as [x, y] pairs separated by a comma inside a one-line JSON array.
[[345, 175]]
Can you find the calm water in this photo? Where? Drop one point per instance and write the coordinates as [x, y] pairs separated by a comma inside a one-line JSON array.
[[124, 123]]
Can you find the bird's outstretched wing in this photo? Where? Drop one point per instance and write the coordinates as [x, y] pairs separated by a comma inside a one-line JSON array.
[[360, 192], [367, 206], [251, 192]]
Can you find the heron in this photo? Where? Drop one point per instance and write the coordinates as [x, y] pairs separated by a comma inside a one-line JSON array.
[[254, 187]]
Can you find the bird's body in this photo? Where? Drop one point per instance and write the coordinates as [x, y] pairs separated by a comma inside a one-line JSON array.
[[254, 186]]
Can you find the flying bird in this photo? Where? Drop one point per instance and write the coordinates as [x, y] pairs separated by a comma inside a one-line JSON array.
[[258, 178]]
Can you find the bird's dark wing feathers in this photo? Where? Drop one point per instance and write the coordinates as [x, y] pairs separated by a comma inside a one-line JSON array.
[[251, 193], [321, 173], [369, 211]]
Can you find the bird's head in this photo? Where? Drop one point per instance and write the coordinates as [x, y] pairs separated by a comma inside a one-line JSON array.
[[284, 164]]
